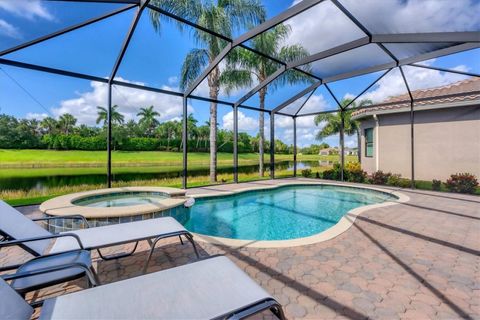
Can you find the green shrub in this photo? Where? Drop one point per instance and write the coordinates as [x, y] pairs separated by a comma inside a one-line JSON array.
[[436, 185], [332, 174], [462, 183], [353, 172], [396, 180], [379, 177], [317, 175], [306, 173]]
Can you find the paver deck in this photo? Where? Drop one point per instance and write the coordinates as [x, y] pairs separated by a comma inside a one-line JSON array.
[[415, 260]]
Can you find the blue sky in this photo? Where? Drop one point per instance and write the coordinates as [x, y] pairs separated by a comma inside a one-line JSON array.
[[155, 59]]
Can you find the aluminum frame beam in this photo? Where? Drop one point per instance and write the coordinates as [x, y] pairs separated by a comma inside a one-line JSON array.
[[235, 144], [120, 56], [295, 146], [412, 133], [471, 74], [367, 88], [272, 145], [287, 14], [100, 1], [429, 37], [66, 30], [298, 96], [305, 102]]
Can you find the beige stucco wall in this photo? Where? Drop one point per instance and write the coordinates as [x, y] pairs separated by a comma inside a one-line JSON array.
[[446, 141]]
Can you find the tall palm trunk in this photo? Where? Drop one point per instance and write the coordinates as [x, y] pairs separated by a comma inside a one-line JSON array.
[[213, 83], [261, 129]]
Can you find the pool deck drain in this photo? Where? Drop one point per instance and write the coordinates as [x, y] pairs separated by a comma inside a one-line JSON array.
[[415, 260]]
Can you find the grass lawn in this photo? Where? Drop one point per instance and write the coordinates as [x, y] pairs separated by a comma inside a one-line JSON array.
[[54, 158]]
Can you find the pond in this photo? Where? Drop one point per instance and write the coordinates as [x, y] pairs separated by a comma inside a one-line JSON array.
[[37, 180]]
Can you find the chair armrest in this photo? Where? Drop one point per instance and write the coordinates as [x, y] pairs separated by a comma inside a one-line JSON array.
[[53, 236], [26, 274], [74, 216]]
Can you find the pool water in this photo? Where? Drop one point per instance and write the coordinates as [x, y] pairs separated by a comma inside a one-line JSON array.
[[121, 199], [278, 214]]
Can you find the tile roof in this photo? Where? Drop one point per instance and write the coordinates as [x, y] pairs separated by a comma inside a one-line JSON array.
[[465, 90]]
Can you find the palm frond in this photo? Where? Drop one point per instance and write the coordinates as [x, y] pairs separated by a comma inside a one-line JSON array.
[[194, 62], [231, 79], [186, 9]]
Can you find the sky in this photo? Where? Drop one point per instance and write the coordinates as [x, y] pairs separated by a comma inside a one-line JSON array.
[[155, 59]]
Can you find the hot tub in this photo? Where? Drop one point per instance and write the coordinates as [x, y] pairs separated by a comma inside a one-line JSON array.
[[116, 205]]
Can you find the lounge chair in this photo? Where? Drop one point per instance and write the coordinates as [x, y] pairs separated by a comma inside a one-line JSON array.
[[214, 288], [20, 230]]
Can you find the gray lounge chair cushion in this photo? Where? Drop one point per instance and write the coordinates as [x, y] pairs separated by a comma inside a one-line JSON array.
[[110, 235], [12, 305], [15, 225], [24, 285], [202, 290]]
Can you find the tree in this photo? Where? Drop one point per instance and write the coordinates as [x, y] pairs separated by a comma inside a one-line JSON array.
[[224, 17], [49, 125], [247, 67], [66, 123], [167, 131], [148, 120], [333, 122], [117, 117]]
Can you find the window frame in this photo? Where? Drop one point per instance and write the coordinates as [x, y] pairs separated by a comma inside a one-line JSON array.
[[369, 143]]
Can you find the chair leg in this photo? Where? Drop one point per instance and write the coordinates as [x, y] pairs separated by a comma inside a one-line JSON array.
[[190, 238], [149, 258], [95, 277], [277, 310], [118, 256], [181, 241]]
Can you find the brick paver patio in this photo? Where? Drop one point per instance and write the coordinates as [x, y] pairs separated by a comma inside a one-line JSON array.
[[417, 260]]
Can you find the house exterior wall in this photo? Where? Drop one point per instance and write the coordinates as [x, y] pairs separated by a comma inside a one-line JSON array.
[[446, 141]]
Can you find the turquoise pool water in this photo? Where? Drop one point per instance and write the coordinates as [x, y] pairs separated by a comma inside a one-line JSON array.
[[121, 199], [278, 214]]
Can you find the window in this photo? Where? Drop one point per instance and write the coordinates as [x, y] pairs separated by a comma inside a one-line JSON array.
[[369, 142]]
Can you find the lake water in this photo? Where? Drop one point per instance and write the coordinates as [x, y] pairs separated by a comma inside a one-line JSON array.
[[48, 181]]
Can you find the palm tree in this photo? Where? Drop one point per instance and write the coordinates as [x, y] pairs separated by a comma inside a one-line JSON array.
[[66, 123], [167, 131], [49, 125], [148, 120], [333, 122], [246, 66], [102, 112], [224, 17]]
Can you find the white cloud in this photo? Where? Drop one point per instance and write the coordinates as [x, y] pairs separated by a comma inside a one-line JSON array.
[[9, 30], [36, 116], [29, 9], [173, 80], [245, 123], [399, 16], [418, 78], [324, 26], [129, 100], [316, 103]]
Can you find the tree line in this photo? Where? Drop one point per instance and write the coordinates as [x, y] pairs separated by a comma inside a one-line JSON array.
[[146, 134]]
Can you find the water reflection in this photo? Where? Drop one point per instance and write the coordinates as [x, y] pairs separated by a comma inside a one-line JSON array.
[[39, 181]]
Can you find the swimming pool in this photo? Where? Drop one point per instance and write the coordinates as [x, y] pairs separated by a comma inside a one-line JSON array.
[[283, 213], [121, 199]]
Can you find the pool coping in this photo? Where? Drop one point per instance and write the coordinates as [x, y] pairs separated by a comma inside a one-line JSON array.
[[63, 205], [340, 227]]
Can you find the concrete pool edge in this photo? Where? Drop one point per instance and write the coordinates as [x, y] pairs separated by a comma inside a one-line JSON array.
[[63, 205], [340, 227]]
